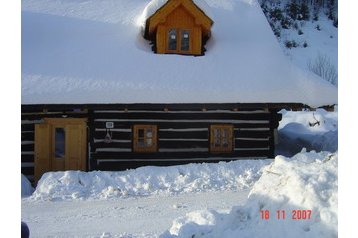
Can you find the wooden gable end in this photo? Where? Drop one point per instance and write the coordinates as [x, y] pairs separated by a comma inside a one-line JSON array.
[[180, 27]]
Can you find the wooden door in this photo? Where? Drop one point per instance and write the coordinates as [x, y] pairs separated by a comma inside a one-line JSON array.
[[76, 147], [60, 144]]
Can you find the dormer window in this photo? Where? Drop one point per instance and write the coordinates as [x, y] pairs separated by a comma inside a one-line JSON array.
[[185, 40], [172, 41], [178, 27]]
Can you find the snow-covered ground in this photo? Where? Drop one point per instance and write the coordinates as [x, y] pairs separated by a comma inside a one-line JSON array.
[[143, 216], [306, 183], [322, 42], [295, 197], [199, 200], [139, 203]]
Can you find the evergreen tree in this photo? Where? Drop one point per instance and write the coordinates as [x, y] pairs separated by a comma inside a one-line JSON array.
[[276, 14], [305, 12], [292, 10]]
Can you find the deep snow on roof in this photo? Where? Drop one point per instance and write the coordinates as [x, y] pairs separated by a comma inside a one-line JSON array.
[[154, 5], [93, 52]]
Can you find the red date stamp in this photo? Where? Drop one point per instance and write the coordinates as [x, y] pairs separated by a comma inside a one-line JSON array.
[[282, 214]]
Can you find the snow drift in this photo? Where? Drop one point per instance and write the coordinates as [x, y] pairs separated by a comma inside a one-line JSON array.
[[150, 180], [305, 182]]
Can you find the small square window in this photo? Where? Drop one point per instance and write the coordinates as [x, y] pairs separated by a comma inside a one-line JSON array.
[[145, 138], [221, 138]]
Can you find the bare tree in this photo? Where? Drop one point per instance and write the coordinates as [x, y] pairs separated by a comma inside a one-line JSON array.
[[324, 68]]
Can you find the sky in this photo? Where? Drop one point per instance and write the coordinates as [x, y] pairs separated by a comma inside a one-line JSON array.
[[10, 73]]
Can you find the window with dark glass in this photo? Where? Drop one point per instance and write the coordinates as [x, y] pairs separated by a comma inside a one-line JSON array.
[[221, 138], [59, 142], [172, 39], [185, 40], [145, 138]]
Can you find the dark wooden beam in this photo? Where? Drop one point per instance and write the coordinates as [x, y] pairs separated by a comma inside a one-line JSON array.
[[166, 106]]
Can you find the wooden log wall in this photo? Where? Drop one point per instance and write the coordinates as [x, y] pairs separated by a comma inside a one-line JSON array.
[[183, 136], [30, 115], [183, 132]]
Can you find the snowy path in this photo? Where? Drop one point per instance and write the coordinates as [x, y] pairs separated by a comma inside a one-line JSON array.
[[130, 217]]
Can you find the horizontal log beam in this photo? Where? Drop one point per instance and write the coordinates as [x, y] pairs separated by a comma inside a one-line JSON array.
[[162, 106], [123, 156], [183, 116], [27, 158], [27, 170], [27, 136], [179, 125], [27, 147]]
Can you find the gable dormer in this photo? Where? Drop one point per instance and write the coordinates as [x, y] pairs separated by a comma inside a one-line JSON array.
[[178, 27]]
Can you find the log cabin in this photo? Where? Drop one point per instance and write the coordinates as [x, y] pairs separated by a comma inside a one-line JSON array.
[[170, 82]]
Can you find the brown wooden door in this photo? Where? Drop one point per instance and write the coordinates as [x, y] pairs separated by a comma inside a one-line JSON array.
[[76, 147], [60, 144]]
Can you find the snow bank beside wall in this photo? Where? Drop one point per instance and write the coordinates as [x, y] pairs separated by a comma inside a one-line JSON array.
[[146, 181], [305, 182], [26, 188], [313, 130]]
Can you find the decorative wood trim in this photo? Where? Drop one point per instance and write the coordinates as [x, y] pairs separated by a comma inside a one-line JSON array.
[[229, 140]]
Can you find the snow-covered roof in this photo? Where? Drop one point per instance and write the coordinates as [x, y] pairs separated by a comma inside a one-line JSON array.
[[93, 52]]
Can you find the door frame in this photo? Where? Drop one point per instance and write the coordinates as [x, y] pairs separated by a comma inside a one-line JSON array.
[[45, 144]]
